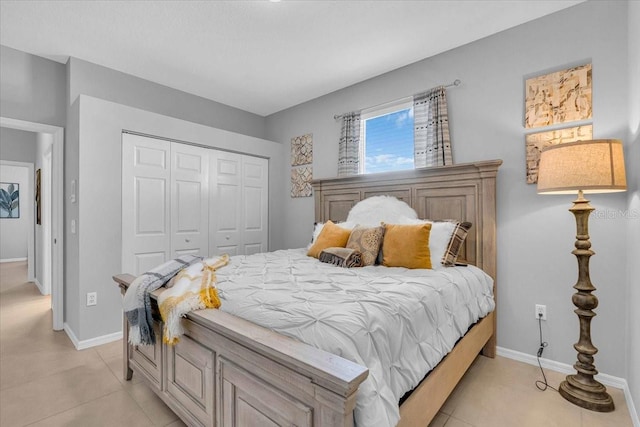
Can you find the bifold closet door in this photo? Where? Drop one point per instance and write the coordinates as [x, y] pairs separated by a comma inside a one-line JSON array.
[[146, 208], [255, 202], [238, 204], [165, 206], [225, 203], [189, 200]]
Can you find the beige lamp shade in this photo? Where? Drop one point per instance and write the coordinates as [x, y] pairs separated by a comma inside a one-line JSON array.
[[591, 166]]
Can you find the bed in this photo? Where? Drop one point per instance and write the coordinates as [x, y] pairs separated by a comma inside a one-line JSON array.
[[228, 371]]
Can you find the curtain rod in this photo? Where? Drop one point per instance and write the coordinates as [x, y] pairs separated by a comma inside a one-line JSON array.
[[456, 82]]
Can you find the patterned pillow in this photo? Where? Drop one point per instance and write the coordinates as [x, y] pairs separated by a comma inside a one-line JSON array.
[[455, 244], [342, 257], [367, 241]]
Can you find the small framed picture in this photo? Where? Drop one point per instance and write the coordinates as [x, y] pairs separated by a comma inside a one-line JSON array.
[[9, 200]]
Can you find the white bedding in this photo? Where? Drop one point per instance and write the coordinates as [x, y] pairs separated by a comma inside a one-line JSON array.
[[397, 322]]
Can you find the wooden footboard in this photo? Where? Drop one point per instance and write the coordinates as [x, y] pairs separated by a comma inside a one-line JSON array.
[[226, 371]]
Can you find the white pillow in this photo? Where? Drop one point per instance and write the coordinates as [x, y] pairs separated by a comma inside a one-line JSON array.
[[374, 210], [439, 237]]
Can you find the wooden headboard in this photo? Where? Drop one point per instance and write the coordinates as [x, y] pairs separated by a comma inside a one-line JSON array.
[[466, 192]]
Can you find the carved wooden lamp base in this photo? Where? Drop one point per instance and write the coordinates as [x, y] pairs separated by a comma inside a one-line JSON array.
[[581, 389], [588, 394]]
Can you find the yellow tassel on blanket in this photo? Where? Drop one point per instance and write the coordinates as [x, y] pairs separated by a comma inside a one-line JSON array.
[[194, 289]]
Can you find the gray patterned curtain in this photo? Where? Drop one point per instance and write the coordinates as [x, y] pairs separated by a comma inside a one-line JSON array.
[[349, 148], [432, 144]]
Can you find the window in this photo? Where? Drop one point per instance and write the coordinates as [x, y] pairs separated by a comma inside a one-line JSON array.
[[386, 137]]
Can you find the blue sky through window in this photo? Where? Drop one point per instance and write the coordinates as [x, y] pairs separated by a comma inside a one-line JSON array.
[[389, 142]]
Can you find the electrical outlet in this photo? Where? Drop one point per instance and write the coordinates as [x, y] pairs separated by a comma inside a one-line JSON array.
[[92, 298], [541, 311]]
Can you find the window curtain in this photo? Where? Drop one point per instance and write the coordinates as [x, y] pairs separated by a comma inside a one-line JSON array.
[[432, 144], [349, 148]]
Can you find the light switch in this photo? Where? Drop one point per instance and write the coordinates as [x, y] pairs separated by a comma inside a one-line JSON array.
[[73, 191], [73, 226]]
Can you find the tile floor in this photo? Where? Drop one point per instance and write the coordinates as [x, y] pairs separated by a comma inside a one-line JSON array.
[[44, 381]]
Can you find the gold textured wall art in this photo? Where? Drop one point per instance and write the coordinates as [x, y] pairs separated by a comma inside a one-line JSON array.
[[302, 150], [535, 142], [559, 97], [301, 176], [301, 181]]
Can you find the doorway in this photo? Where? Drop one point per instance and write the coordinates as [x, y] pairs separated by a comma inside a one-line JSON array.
[[56, 205]]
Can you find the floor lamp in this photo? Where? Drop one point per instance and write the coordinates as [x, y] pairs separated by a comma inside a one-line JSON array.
[[584, 167]]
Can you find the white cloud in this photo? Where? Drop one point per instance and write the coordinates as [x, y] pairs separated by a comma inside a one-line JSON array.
[[388, 162], [402, 119]]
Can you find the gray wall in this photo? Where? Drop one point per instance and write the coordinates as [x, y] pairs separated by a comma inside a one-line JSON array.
[[94, 253], [31, 88], [535, 233], [15, 231], [101, 82], [17, 145], [633, 233]]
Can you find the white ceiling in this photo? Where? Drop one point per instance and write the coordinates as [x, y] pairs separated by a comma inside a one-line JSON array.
[[259, 56]]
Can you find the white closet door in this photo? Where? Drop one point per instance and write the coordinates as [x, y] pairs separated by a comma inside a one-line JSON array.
[[255, 204], [225, 211], [145, 203], [189, 200]]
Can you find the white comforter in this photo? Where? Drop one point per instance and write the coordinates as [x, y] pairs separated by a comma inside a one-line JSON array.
[[397, 322]]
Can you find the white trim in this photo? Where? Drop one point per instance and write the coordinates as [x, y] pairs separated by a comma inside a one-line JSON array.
[[93, 342], [12, 260], [632, 408], [564, 368], [40, 286], [57, 211]]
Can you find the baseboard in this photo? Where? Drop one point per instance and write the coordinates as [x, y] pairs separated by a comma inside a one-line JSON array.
[[563, 368], [12, 260], [632, 408], [93, 342], [39, 285]]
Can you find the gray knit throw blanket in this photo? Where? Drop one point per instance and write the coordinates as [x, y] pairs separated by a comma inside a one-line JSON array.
[[137, 300]]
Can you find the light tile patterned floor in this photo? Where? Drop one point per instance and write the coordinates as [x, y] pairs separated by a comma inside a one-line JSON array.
[[45, 381]]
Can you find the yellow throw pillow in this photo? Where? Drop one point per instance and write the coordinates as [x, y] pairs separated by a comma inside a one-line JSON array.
[[406, 246], [331, 236]]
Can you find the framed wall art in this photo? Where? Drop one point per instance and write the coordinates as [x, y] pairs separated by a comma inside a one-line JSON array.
[[552, 101], [302, 150], [301, 182], [38, 197], [9, 200], [535, 142], [559, 97], [301, 169]]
